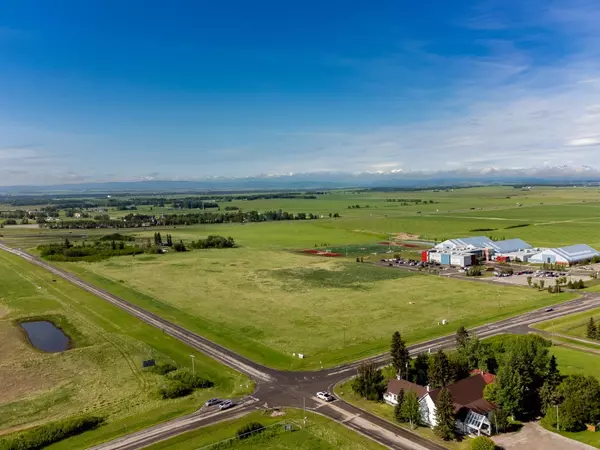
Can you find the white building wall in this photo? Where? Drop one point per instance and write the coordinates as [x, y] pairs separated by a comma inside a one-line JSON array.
[[435, 257], [428, 410]]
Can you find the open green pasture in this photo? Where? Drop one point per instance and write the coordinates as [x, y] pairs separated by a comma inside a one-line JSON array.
[[558, 216], [317, 433], [101, 374], [269, 304], [572, 325]]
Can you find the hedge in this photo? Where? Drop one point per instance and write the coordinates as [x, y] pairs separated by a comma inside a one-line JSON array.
[[48, 434]]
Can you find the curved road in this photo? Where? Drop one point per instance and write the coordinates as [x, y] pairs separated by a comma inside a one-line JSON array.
[[275, 388]]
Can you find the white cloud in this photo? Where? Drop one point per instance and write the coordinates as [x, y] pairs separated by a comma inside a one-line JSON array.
[[584, 142]]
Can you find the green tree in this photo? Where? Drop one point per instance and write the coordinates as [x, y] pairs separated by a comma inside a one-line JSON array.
[[499, 420], [398, 408], [400, 356], [529, 280], [542, 284], [462, 338], [592, 330], [421, 369], [580, 403], [509, 390], [439, 370], [482, 443], [523, 362], [369, 382], [411, 410], [444, 414]]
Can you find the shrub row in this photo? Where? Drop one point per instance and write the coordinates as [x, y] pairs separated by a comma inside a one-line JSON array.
[[53, 432]]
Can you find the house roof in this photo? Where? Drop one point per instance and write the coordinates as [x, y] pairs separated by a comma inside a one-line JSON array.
[[395, 386], [509, 245], [468, 393], [489, 378]]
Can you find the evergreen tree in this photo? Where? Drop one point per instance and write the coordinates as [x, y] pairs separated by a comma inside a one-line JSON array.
[[592, 330], [158, 239], [444, 414], [549, 394], [398, 408], [400, 357], [462, 338], [369, 382], [411, 410], [421, 369], [113, 245], [169, 240], [439, 370]]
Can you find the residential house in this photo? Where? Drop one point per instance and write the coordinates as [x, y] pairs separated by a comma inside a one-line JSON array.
[[473, 412]]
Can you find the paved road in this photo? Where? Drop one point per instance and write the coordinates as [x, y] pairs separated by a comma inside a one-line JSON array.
[[276, 388]]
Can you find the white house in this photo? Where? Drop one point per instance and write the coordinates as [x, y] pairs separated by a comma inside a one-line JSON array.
[[471, 409]]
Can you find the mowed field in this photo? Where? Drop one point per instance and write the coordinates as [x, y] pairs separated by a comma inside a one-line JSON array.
[[317, 433], [269, 304], [101, 374]]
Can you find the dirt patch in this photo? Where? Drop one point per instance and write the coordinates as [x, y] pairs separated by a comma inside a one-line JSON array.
[[3, 312], [534, 437], [405, 237]]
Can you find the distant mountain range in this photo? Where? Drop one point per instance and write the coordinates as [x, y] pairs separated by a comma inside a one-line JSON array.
[[332, 180]]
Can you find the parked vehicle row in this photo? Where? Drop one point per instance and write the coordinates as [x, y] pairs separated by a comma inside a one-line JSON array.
[[546, 274]]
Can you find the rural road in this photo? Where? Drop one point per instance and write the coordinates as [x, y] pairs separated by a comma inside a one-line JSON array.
[[275, 388]]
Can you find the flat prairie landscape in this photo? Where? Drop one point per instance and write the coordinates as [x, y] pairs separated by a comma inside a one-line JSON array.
[[270, 304], [100, 374]]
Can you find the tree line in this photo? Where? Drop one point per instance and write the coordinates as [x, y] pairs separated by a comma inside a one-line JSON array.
[[145, 220]]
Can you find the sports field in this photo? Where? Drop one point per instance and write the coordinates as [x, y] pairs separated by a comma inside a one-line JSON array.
[[101, 374], [317, 433], [269, 304]]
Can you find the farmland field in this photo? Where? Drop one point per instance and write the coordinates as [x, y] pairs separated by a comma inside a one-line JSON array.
[[318, 433], [268, 304], [101, 374], [267, 300]]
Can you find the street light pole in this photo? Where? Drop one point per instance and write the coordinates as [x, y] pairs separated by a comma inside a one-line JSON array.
[[193, 364]]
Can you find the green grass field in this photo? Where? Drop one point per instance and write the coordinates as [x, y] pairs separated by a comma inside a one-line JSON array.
[[558, 216], [101, 374], [268, 304], [318, 433], [572, 325]]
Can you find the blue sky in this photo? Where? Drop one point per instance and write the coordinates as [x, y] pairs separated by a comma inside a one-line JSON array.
[[113, 90]]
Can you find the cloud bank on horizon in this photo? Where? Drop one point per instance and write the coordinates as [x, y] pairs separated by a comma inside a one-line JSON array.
[[194, 91]]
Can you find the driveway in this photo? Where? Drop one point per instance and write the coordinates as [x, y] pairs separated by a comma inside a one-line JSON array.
[[534, 437]]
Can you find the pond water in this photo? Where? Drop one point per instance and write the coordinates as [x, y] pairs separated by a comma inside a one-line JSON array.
[[46, 336]]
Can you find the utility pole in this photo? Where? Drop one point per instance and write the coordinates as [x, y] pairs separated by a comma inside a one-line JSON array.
[[193, 364], [304, 408]]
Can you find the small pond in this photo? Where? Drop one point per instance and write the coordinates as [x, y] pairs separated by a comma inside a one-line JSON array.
[[46, 336]]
